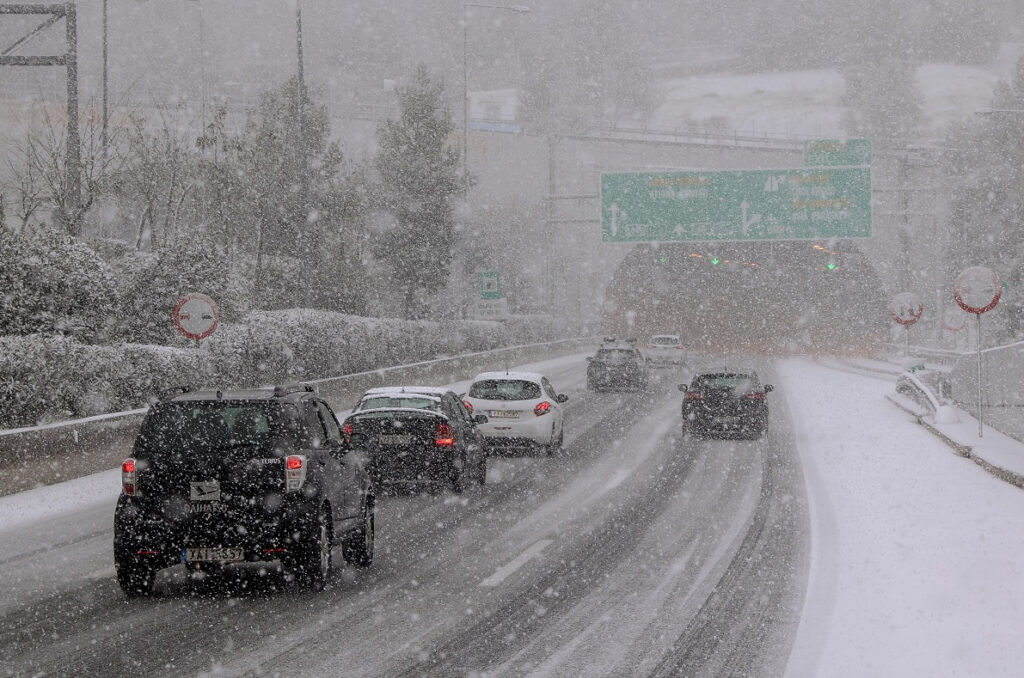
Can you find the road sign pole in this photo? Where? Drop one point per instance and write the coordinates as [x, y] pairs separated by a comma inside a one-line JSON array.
[[906, 340], [980, 425]]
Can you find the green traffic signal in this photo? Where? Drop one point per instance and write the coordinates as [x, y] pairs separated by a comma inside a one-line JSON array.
[[831, 265], [714, 261]]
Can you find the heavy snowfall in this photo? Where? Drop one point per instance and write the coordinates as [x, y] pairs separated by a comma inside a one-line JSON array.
[[712, 312]]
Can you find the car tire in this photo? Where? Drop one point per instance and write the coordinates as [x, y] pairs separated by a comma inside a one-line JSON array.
[[313, 565], [357, 548], [481, 474], [135, 576], [556, 445]]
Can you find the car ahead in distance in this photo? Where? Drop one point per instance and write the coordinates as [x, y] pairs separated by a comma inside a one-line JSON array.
[[725, 401], [617, 365], [223, 477], [524, 412], [418, 436], [666, 349]]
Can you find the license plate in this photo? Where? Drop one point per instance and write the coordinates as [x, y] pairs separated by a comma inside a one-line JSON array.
[[218, 554], [504, 414], [395, 439], [204, 490]]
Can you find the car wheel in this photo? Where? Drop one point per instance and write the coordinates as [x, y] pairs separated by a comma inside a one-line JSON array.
[[556, 445], [135, 575], [358, 546], [458, 480], [481, 475], [313, 565]]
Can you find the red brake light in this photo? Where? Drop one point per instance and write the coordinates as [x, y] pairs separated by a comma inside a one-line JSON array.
[[129, 481], [679, 347], [542, 408], [694, 395], [445, 435], [293, 462], [294, 472], [347, 431], [755, 396], [650, 345], [468, 405]]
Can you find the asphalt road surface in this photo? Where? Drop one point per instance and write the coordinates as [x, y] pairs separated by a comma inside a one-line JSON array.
[[636, 552]]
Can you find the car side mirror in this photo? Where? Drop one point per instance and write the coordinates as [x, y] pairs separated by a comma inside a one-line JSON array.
[[768, 388], [480, 418], [561, 398], [682, 387]]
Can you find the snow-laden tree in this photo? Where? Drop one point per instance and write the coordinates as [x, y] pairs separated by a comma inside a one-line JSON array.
[[419, 183], [54, 284]]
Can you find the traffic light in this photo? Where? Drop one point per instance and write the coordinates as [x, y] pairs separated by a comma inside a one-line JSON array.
[[714, 261], [831, 265]]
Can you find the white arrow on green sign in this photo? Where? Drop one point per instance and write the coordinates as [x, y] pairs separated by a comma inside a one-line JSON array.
[[789, 204]]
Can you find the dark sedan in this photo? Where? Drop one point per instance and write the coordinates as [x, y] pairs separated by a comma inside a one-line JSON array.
[[727, 402], [619, 368], [418, 436]]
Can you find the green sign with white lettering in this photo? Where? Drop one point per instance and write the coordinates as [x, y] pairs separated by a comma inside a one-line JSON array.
[[835, 152], [490, 285], [785, 204]]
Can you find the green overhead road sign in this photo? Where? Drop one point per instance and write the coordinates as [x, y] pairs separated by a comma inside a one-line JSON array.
[[835, 152], [490, 285], [784, 204]]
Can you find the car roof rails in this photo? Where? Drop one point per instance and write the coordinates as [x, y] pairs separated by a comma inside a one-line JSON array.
[[173, 392], [282, 390]]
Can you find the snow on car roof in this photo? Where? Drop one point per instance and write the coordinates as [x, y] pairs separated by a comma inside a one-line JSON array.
[[505, 376], [430, 391]]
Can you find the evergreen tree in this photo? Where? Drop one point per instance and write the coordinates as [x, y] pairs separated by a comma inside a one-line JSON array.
[[420, 180]]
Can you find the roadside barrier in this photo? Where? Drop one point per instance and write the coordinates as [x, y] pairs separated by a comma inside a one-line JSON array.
[[52, 453]]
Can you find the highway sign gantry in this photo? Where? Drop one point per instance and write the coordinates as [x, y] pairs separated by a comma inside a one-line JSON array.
[[787, 204]]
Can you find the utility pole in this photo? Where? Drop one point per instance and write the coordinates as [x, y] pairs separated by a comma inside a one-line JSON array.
[[72, 199], [302, 147], [104, 139]]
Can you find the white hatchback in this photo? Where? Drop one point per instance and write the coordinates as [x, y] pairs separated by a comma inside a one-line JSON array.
[[524, 412], [665, 349]]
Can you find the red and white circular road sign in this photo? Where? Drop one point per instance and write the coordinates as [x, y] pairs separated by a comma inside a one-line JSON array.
[[906, 308], [953, 319], [977, 289], [196, 316]]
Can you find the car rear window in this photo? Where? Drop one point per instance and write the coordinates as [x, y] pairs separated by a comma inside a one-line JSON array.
[[616, 355], [505, 389], [206, 427], [665, 341], [413, 402], [740, 383]]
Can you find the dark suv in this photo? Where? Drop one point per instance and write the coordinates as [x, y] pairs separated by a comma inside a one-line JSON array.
[[725, 401], [222, 477]]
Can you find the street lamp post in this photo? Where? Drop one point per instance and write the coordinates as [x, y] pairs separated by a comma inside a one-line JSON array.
[[519, 9]]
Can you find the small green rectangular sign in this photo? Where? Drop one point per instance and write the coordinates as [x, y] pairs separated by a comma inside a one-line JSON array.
[[490, 285], [837, 153], [783, 204]]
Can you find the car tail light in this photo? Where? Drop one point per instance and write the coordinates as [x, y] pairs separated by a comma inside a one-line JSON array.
[[755, 396], [129, 484], [650, 345], [346, 430], [542, 408], [694, 395], [680, 347], [294, 472], [468, 405], [445, 436]]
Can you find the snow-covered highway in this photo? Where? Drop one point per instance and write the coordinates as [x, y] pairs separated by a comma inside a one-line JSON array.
[[849, 541]]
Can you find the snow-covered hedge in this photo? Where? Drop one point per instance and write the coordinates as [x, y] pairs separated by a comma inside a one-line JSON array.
[[51, 378]]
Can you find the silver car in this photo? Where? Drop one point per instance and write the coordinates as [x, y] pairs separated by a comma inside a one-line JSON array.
[[665, 349]]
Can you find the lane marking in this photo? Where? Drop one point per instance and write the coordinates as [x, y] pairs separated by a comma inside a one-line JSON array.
[[503, 572]]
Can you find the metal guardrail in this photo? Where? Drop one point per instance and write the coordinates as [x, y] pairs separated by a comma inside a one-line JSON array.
[[52, 453]]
